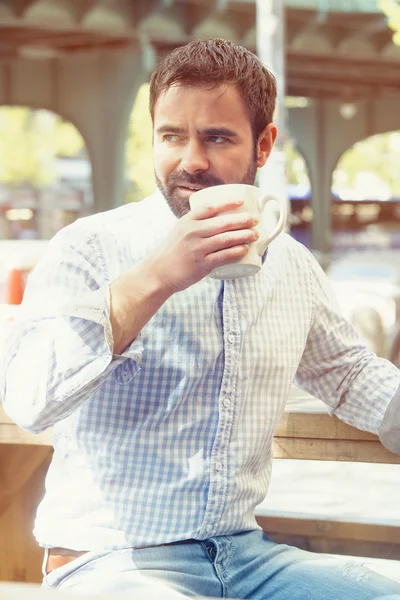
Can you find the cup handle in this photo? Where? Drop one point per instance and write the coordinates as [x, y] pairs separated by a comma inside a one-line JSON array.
[[266, 239]]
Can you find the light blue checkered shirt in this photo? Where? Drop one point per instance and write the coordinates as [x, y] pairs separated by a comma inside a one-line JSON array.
[[172, 439]]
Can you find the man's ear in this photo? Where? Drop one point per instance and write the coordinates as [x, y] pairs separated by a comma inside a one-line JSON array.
[[265, 142]]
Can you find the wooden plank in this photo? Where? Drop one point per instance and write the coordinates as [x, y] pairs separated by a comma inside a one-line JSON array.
[[323, 528], [338, 450], [17, 464], [334, 537], [4, 418], [314, 425], [10, 433], [20, 555]]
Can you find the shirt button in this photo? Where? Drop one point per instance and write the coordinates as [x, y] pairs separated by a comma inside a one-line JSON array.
[[226, 402], [218, 466], [231, 338]]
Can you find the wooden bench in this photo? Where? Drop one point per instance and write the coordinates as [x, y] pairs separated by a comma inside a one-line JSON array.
[[305, 432]]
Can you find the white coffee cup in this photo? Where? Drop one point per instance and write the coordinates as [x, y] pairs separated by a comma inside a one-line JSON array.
[[254, 203]]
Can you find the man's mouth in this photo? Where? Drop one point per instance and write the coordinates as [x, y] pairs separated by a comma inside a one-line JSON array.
[[192, 188]]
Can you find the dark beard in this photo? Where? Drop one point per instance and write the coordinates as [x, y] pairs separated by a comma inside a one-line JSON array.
[[180, 206]]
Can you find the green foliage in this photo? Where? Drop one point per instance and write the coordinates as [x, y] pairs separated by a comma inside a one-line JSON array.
[[139, 170], [391, 8], [30, 141], [371, 167], [296, 168]]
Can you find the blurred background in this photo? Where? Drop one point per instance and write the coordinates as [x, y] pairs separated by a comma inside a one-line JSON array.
[[75, 139], [75, 132]]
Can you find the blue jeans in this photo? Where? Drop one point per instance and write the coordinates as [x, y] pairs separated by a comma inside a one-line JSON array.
[[246, 565]]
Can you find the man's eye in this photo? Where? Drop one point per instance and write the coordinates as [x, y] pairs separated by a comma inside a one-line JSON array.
[[171, 138], [218, 139]]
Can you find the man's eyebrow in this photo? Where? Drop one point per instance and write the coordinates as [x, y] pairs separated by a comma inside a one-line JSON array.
[[208, 131], [216, 131], [169, 129]]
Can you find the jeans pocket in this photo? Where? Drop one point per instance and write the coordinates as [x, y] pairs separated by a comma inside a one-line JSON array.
[[58, 576]]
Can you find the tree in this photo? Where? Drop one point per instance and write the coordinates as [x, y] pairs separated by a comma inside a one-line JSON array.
[[391, 8], [296, 168], [139, 170], [30, 141], [370, 169]]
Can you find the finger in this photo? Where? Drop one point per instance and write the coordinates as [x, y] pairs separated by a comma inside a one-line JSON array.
[[223, 257], [229, 239], [209, 210], [222, 223]]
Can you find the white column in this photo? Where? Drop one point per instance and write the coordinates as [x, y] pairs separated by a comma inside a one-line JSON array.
[[270, 26]]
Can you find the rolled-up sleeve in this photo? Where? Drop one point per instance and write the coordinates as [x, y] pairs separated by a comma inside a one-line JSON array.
[[389, 431], [60, 349], [357, 386]]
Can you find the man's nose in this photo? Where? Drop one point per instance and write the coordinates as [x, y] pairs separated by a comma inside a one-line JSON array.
[[195, 157]]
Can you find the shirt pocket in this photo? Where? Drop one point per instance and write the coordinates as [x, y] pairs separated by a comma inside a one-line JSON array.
[[126, 371]]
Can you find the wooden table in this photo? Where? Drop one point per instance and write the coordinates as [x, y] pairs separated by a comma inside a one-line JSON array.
[[24, 460], [305, 432]]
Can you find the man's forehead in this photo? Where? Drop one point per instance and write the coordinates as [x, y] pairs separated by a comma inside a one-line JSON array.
[[181, 101], [210, 87]]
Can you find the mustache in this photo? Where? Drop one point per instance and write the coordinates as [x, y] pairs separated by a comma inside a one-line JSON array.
[[182, 178]]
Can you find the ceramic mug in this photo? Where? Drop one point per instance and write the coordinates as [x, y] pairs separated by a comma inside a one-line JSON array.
[[254, 203]]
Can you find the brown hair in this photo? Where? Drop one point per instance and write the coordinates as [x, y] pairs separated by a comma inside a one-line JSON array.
[[219, 61]]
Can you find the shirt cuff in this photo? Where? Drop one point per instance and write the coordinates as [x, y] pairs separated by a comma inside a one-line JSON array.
[[389, 431], [96, 308]]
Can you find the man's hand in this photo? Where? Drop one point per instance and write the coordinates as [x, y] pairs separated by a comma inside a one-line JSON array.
[[202, 240]]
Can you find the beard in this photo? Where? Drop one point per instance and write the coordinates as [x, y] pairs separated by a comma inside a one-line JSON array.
[[180, 206]]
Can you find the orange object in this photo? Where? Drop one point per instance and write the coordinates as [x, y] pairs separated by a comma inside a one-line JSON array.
[[15, 286]]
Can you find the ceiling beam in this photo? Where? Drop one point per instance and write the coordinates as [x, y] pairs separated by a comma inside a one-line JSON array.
[[82, 7], [372, 31], [20, 6]]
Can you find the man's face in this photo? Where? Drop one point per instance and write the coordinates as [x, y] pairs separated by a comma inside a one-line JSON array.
[[202, 137]]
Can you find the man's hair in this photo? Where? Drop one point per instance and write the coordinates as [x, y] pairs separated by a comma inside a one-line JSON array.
[[217, 62]]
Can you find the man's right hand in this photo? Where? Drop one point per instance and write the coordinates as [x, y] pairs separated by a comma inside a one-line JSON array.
[[203, 239]]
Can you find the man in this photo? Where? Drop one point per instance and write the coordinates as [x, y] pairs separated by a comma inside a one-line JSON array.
[[164, 386]]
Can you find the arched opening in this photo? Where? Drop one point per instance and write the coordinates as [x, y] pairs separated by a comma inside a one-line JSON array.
[[139, 170], [45, 174], [366, 195]]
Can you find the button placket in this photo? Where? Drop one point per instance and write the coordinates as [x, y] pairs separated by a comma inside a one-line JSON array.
[[219, 456]]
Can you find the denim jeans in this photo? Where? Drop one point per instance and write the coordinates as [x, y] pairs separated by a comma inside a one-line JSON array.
[[246, 565]]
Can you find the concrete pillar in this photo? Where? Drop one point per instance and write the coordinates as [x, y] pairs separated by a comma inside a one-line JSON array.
[[321, 178], [308, 128], [97, 92], [271, 51]]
